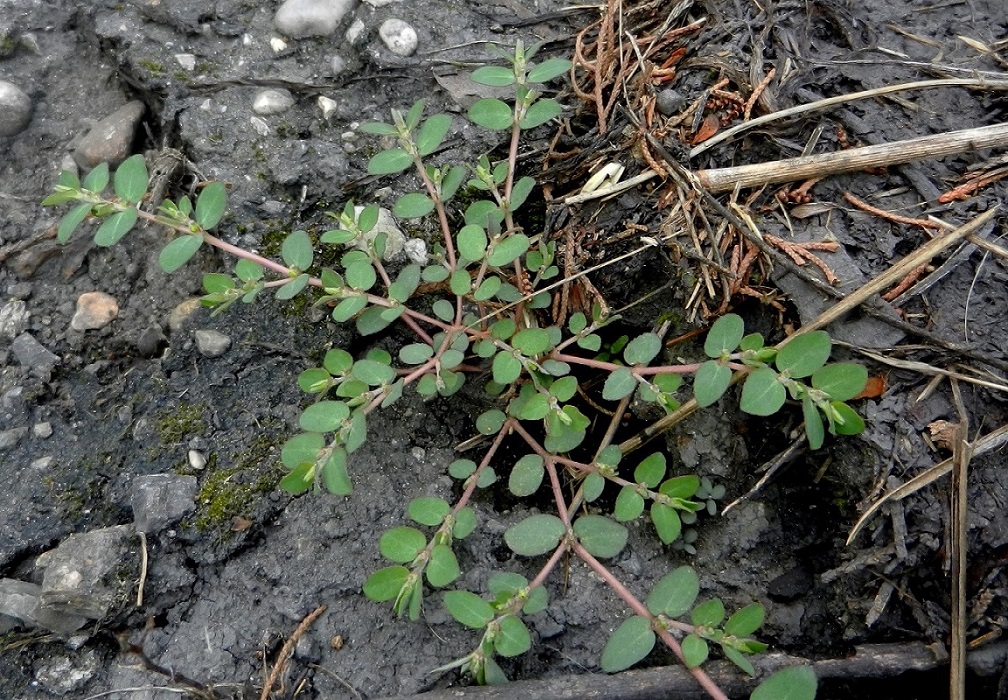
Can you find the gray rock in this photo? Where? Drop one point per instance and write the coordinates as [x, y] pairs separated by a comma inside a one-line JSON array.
[[19, 607], [395, 238], [32, 354], [12, 436], [160, 500], [13, 319], [669, 101], [110, 139], [212, 343], [85, 575], [150, 341], [272, 102], [302, 18], [15, 109], [398, 36], [94, 310], [42, 430], [66, 671]]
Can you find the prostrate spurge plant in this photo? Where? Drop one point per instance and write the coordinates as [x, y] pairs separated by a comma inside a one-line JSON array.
[[493, 278]]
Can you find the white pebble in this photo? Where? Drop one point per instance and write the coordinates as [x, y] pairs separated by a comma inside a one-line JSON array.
[[356, 31], [272, 102], [260, 125], [399, 37], [277, 44], [15, 109], [327, 105], [94, 310], [302, 18], [416, 250], [186, 60]]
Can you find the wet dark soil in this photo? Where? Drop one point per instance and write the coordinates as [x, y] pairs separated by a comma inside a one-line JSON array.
[[234, 578]]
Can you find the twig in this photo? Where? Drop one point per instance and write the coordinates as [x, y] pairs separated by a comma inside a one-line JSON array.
[[772, 468], [288, 649], [961, 454], [980, 83], [143, 568], [854, 159], [888, 215]]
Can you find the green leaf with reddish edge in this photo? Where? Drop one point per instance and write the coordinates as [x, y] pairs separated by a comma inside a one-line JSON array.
[[402, 544], [535, 535], [389, 162], [443, 567], [71, 220], [210, 205], [468, 609], [711, 382], [762, 393], [795, 683], [724, 336], [842, 380], [540, 112], [491, 113], [630, 643], [804, 354], [386, 584], [674, 593], [179, 251], [115, 227], [432, 133], [666, 521]]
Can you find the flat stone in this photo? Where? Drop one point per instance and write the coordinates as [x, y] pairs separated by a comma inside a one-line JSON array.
[[42, 430], [32, 354], [15, 109], [19, 607], [212, 343], [13, 319], [12, 436], [65, 671], [303, 18], [160, 500], [395, 238], [111, 138], [94, 310], [84, 575], [186, 60], [398, 36], [272, 102]]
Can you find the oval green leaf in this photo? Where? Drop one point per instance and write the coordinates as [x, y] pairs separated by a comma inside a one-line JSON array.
[[443, 567], [842, 380], [745, 621], [507, 250], [131, 179], [413, 205], [428, 510], [115, 227], [619, 384], [491, 113], [629, 504], [795, 683], [297, 251], [602, 537], [432, 133], [535, 535], [210, 205], [724, 336], [540, 112], [642, 349], [385, 584], [804, 354], [402, 544], [178, 251], [493, 76], [762, 393], [468, 609], [711, 382], [513, 638], [389, 162], [674, 593], [695, 650], [630, 643]]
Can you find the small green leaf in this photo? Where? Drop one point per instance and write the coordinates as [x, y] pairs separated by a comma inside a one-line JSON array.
[[736, 657], [348, 308], [745, 621], [301, 449], [460, 283], [489, 422], [402, 544], [472, 242], [540, 112], [602, 537], [590, 342], [642, 349], [813, 424], [210, 205], [547, 70], [674, 593], [413, 205], [131, 179], [360, 275], [434, 273], [334, 473], [762, 393], [795, 683], [314, 381], [666, 521], [300, 479], [71, 220], [443, 567], [507, 250], [651, 471], [493, 76], [681, 486], [506, 368], [535, 535], [428, 510], [373, 373], [385, 584], [532, 341], [619, 384], [491, 114], [629, 504], [96, 180], [405, 284], [324, 416], [178, 251], [389, 162], [694, 650], [724, 336], [753, 341], [849, 423], [432, 133], [376, 319], [468, 609], [297, 251], [513, 638], [487, 289], [461, 468], [414, 114], [563, 389], [115, 227], [631, 642], [415, 353], [520, 192], [842, 380], [526, 475], [711, 382], [708, 614], [592, 486], [465, 523], [292, 288], [444, 309], [805, 354], [378, 129], [248, 271]]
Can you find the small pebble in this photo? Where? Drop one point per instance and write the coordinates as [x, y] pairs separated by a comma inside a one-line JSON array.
[[416, 250], [186, 60], [272, 102], [181, 313], [94, 310], [15, 109], [111, 138], [42, 430], [356, 31], [303, 18], [14, 318], [197, 460], [669, 101], [327, 105], [261, 127], [278, 44], [212, 343], [399, 37], [337, 64]]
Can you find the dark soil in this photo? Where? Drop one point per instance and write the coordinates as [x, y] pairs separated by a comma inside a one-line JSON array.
[[229, 583]]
